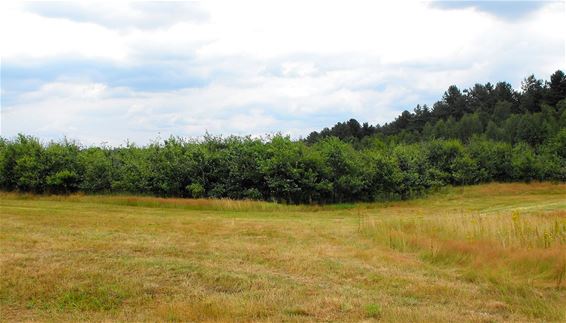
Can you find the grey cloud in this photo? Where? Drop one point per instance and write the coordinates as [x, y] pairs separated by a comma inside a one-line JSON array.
[[142, 15], [505, 9]]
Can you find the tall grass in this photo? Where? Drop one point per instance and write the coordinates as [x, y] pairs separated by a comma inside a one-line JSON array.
[[158, 202], [518, 252], [224, 204]]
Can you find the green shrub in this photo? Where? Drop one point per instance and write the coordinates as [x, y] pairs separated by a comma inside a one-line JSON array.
[[64, 181], [195, 190]]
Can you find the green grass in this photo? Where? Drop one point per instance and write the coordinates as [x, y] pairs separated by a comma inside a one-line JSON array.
[[492, 252]]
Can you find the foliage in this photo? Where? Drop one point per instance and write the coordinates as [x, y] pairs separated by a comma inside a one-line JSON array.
[[498, 112]]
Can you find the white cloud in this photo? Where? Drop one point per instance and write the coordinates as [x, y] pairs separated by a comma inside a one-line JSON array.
[[86, 111], [27, 36], [293, 66]]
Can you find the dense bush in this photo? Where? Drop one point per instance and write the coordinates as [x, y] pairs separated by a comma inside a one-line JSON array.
[[276, 168]]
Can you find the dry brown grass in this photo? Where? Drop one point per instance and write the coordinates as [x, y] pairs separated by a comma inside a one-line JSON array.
[[467, 254]]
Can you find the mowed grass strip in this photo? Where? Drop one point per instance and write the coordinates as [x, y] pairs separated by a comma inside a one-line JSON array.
[[492, 252]]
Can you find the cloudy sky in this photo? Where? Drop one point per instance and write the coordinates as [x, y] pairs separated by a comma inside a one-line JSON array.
[[110, 72]]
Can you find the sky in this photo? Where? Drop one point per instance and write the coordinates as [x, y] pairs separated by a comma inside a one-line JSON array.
[[111, 72]]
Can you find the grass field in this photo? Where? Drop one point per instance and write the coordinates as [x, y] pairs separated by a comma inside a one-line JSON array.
[[492, 252]]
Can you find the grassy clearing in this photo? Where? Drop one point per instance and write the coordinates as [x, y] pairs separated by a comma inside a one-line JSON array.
[[485, 253]]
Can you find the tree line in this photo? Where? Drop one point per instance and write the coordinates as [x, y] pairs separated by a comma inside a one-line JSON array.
[[498, 112], [473, 143]]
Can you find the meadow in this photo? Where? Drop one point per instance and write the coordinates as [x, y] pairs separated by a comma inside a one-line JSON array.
[[484, 253]]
